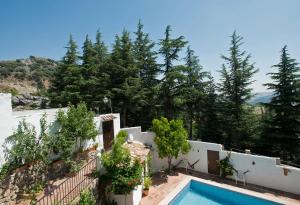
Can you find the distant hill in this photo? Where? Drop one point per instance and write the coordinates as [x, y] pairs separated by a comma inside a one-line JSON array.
[[30, 73], [263, 97], [26, 79]]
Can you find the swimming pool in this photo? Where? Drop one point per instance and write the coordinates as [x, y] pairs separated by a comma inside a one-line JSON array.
[[198, 193]]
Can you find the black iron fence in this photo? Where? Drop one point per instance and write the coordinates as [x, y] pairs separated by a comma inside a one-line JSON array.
[[70, 189]]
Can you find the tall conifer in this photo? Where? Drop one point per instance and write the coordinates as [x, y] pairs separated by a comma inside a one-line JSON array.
[[124, 77], [193, 87], [236, 77], [282, 130], [169, 50], [145, 58], [65, 84]]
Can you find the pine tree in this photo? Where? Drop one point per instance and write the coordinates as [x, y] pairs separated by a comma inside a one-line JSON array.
[[193, 87], [237, 74], [65, 84], [127, 93], [169, 50], [282, 130], [145, 59]]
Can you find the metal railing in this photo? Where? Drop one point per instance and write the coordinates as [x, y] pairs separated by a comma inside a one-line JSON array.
[[70, 189]]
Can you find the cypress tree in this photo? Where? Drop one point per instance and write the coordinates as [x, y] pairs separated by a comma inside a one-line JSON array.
[[145, 59], [237, 74], [282, 129], [169, 49]]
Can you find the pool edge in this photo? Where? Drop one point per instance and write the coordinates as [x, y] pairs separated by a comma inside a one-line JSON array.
[[168, 199]]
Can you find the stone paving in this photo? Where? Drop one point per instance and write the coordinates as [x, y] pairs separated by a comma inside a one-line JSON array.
[[163, 185]]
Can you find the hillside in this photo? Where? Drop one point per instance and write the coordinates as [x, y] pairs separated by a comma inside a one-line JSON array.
[[35, 70], [25, 79]]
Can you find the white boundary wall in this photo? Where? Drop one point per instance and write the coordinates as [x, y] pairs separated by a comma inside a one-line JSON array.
[[6, 121], [134, 198], [9, 121], [263, 171]]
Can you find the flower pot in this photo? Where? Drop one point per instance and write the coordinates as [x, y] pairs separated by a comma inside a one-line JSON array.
[[145, 192], [93, 148]]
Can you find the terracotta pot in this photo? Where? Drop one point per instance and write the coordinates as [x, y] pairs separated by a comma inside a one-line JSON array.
[[145, 192], [94, 148]]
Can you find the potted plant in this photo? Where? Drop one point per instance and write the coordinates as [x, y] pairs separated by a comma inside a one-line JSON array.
[[226, 167], [94, 147], [147, 184], [74, 167]]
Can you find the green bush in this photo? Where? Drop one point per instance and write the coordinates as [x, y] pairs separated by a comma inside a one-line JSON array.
[[147, 183], [74, 166], [171, 138], [76, 125], [4, 171], [87, 198], [25, 146], [21, 147], [226, 167], [124, 172]]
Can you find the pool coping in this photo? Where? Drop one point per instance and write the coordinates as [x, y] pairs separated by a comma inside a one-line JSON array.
[[187, 180]]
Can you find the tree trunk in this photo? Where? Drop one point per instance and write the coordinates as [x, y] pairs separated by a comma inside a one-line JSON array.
[[169, 164]]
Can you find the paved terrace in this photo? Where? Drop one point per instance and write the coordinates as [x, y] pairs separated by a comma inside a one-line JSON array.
[[165, 186]]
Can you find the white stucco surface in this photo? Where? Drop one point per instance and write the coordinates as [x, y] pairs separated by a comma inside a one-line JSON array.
[[263, 171], [134, 198], [6, 121], [9, 121]]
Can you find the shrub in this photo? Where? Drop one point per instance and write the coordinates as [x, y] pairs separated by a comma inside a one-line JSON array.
[[225, 166], [124, 172], [147, 183], [87, 198], [76, 125], [24, 146], [21, 147], [74, 166], [4, 171], [171, 138]]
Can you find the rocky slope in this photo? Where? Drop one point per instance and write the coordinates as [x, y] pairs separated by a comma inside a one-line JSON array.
[[26, 79]]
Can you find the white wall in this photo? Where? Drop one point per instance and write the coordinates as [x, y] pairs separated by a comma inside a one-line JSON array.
[[33, 117], [9, 121], [6, 121], [263, 171], [134, 198]]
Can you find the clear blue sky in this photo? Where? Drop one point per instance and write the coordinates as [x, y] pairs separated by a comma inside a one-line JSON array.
[[42, 27]]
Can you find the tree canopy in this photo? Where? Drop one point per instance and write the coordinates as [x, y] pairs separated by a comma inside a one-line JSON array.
[[171, 138], [144, 79]]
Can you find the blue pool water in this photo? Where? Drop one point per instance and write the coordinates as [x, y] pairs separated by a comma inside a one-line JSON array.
[[197, 193]]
